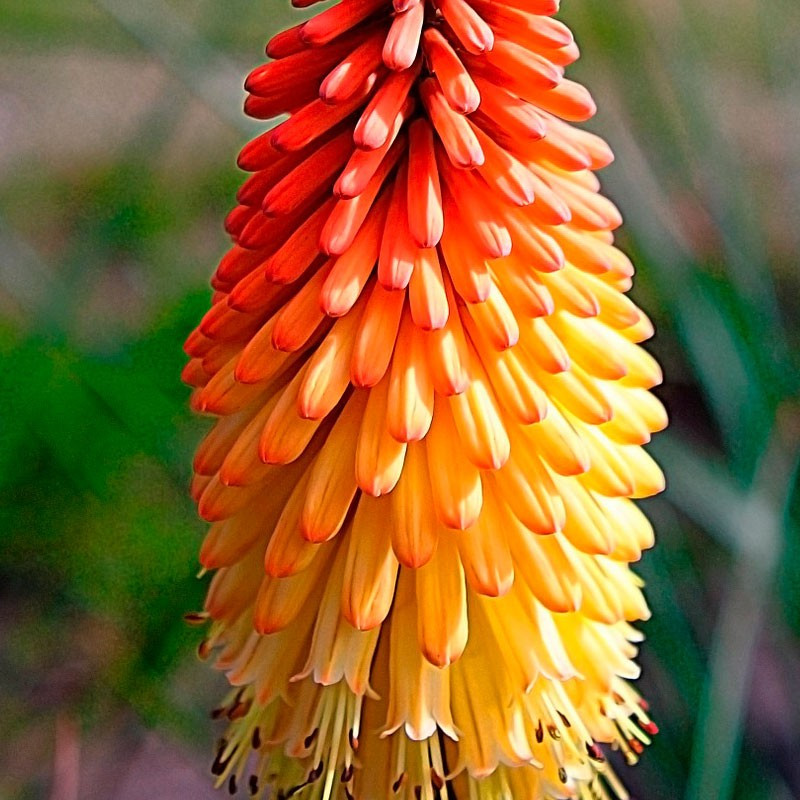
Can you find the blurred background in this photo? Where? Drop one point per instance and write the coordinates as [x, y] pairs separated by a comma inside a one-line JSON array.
[[119, 125]]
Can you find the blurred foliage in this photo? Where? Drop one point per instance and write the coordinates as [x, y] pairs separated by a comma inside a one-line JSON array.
[[104, 257]]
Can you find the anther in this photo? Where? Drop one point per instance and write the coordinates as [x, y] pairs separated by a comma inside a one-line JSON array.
[[196, 618], [553, 732], [252, 785], [437, 780], [595, 753], [418, 792], [218, 767], [539, 733], [562, 774], [565, 720], [648, 727], [232, 788], [311, 738], [353, 739], [398, 783], [239, 710], [256, 740], [347, 773]]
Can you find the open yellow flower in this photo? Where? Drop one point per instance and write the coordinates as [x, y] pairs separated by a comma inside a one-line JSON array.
[[431, 409]]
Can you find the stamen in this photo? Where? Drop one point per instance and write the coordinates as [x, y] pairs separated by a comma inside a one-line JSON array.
[[348, 751], [239, 710], [648, 727], [296, 789], [425, 775], [438, 769], [220, 763], [613, 781], [571, 739], [575, 717], [505, 789], [322, 738], [333, 756], [353, 739], [399, 744]]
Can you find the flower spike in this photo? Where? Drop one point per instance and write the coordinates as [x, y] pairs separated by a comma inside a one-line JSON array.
[[431, 404]]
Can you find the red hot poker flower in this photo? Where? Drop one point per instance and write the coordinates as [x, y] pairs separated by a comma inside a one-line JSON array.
[[431, 406]]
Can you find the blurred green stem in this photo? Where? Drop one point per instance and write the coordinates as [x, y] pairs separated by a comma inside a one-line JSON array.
[[757, 521]]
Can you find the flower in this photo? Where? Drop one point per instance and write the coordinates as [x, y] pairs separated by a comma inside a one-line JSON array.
[[431, 406]]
